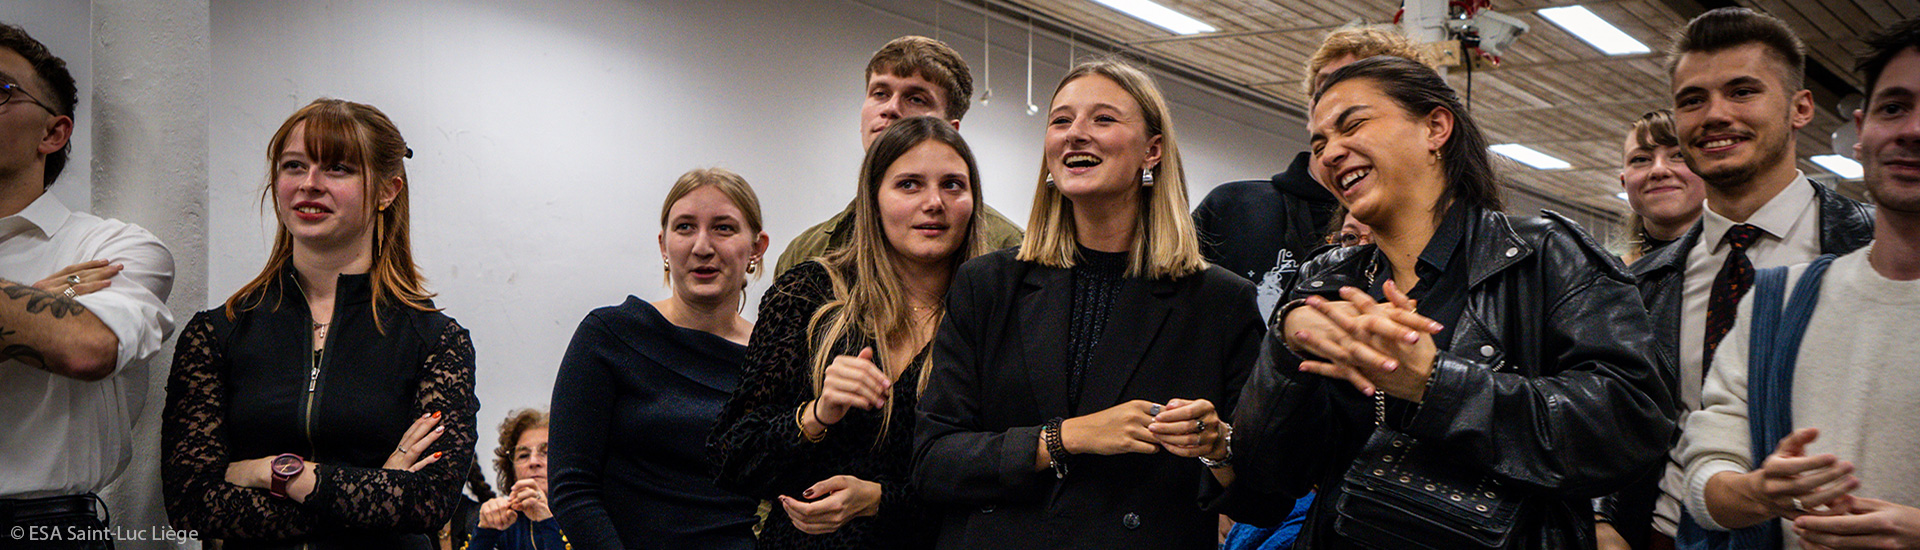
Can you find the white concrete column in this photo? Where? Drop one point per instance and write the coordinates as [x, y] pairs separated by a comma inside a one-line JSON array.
[[151, 68]]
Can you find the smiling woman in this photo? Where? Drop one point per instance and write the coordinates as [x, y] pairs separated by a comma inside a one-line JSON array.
[[1065, 367], [1521, 385], [823, 421]]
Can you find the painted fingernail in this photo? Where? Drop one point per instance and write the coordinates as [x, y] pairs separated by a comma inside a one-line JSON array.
[[1436, 326], [436, 414], [436, 454], [437, 429], [807, 493]]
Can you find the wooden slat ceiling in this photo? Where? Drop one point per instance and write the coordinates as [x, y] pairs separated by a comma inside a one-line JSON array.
[[1552, 92]]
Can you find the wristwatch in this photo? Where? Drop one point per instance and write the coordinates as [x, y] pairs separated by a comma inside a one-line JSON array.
[[1226, 437], [285, 467]]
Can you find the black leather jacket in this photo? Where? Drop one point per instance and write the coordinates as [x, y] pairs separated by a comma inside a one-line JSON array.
[[1845, 226], [1549, 385]]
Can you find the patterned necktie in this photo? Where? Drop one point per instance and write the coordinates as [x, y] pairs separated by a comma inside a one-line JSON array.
[[1732, 282]]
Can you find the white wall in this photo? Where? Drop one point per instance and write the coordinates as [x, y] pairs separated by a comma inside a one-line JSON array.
[[546, 134]]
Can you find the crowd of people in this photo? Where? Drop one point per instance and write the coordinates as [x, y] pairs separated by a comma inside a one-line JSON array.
[[1364, 351]]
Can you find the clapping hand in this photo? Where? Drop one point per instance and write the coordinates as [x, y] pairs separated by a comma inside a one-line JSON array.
[[1374, 346]]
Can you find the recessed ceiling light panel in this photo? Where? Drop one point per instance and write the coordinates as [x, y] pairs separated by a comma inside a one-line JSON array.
[[1160, 16], [1837, 164], [1528, 156], [1597, 32]]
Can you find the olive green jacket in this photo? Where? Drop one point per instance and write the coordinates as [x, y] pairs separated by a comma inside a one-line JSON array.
[[836, 231]]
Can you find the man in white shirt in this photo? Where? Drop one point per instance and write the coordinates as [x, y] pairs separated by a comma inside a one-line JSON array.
[[1737, 82], [1845, 477], [74, 347]]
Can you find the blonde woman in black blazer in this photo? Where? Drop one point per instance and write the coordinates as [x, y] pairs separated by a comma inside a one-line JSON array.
[[1078, 378]]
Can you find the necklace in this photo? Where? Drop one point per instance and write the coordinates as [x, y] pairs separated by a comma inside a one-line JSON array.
[[1379, 397], [319, 330]]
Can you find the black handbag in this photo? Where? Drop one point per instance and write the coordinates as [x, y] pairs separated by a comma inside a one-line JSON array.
[[1399, 494]]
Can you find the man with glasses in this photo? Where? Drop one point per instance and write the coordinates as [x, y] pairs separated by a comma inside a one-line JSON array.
[[74, 345]]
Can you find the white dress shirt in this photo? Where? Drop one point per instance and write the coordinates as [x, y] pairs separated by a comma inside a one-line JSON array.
[[1789, 234], [60, 435]]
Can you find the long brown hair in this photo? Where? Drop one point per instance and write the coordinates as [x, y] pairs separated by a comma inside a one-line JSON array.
[[869, 299], [359, 135]]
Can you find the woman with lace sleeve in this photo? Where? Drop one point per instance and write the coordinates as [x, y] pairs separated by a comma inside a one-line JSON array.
[[823, 420], [328, 404]]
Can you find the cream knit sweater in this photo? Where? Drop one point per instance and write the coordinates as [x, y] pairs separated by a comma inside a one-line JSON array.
[[1857, 380]]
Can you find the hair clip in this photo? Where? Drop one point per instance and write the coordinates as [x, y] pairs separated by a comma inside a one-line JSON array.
[[409, 152]]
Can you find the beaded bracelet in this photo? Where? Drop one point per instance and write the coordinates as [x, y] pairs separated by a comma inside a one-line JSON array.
[[1056, 450]]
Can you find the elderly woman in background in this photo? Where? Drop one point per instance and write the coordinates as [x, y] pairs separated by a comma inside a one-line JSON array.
[[328, 404], [823, 422], [519, 519], [642, 383], [1067, 366], [1468, 380]]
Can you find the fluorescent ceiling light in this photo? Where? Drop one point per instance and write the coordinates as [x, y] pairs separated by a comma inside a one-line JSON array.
[[1159, 16], [1594, 30], [1622, 195], [1837, 164], [1528, 156]]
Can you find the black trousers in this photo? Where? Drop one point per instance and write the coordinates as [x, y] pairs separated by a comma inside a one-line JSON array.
[[54, 523]]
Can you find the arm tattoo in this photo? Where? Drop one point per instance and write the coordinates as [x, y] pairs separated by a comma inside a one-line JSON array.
[[24, 353], [40, 300]]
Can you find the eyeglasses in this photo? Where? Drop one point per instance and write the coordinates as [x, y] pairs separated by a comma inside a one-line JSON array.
[[7, 91]]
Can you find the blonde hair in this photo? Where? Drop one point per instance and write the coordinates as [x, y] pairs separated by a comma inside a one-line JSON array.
[[727, 183], [358, 135], [1164, 243], [1361, 42], [869, 298]]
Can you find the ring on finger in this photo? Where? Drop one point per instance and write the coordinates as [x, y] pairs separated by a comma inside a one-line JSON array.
[[73, 279], [402, 450], [1199, 426], [69, 293]]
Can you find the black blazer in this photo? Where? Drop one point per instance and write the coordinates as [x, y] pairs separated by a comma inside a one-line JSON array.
[[1000, 372]]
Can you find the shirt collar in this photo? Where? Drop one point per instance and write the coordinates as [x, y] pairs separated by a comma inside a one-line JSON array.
[[1778, 217], [1446, 238], [46, 213]]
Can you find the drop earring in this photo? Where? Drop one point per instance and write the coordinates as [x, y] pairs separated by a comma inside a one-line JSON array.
[[753, 265], [1049, 180], [1146, 177]]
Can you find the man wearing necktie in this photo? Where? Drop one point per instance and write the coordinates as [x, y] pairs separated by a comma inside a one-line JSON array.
[[1738, 97]]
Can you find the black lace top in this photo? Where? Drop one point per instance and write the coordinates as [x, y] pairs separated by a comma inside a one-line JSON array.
[[249, 388], [760, 452]]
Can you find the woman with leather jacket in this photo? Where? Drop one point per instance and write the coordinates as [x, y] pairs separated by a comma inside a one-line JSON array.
[[1469, 380], [328, 403]]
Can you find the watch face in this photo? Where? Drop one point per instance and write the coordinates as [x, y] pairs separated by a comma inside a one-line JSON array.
[[287, 465]]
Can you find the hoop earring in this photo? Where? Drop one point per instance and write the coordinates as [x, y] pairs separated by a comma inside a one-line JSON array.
[[1146, 177]]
